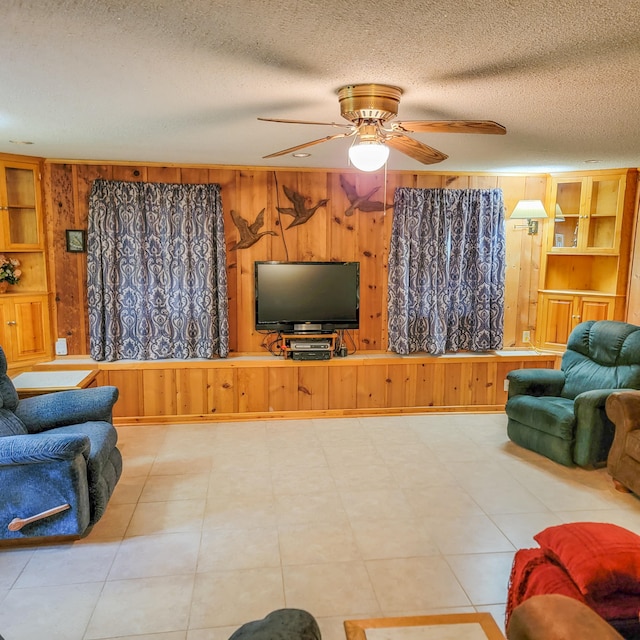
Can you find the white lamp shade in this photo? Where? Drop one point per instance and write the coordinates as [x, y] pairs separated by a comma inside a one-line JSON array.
[[529, 210], [368, 156]]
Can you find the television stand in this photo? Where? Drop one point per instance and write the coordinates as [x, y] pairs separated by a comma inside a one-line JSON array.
[[308, 346]]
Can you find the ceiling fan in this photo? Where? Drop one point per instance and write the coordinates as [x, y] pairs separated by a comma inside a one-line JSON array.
[[371, 109]]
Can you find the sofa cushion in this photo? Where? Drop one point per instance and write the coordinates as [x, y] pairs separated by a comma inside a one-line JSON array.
[[10, 424], [552, 415], [601, 558]]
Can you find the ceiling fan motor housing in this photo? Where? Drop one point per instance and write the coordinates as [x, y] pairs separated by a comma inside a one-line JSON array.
[[360, 102]]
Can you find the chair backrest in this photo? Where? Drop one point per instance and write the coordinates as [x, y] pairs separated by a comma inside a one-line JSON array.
[[601, 354], [8, 393]]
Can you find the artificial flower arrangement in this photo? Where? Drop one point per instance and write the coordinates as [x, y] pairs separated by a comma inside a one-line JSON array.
[[9, 271]]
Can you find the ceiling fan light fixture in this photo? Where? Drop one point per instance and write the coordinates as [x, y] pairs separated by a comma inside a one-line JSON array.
[[368, 156]]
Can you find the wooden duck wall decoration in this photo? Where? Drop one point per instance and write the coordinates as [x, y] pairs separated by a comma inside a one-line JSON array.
[[249, 232], [361, 202], [300, 212]]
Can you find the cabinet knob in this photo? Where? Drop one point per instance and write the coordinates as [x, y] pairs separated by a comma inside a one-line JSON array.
[[11, 322]]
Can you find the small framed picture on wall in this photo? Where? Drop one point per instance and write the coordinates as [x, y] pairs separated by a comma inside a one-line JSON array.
[[76, 240]]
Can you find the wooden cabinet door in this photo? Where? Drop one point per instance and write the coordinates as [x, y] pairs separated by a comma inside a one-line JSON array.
[[25, 323], [557, 320], [594, 308]]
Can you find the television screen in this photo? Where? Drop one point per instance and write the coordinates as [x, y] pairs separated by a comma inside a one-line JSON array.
[[307, 296]]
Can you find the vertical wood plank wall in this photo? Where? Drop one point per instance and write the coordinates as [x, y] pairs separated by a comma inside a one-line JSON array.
[[330, 234]]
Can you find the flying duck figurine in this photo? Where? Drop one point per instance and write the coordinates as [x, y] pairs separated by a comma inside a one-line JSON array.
[[361, 202], [299, 211], [249, 232]]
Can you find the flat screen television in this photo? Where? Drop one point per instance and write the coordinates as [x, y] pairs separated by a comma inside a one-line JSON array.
[[310, 297]]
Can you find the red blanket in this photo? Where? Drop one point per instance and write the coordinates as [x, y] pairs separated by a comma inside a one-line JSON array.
[[534, 573]]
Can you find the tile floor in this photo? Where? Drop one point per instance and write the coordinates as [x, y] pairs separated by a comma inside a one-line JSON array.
[[214, 525]]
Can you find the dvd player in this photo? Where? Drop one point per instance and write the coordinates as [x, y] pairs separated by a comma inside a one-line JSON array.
[[310, 345]]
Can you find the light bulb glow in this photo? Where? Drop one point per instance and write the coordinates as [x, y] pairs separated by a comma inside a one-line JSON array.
[[368, 156]]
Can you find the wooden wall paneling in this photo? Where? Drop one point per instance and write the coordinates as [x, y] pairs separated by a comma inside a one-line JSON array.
[[513, 189], [283, 383], [84, 177], [633, 289], [251, 199], [372, 386], [159, 392], [313, 387], [169, 175], [228, 179], [285, 246], [192, 391], [196, 175], [343, 230], [343, 387], [430, 385], [483, 182], [458, 181], [373, 270], [130, 173], [429, 181], [401, 385], [68, 278], [313, 236], [129, 382], [222, 394], [483, 382], [253, 389], [457, 386]]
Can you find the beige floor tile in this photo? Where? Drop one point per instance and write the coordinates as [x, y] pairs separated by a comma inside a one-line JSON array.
[[497, 611], [377, 504], [379, 539], [242, 480], [290, 479], [330, 589], [69, 564], [225, 598], [12, 563], [317, 542], [331, 628], [169, 635], [191, 486], [521, 527], [113, 524], [298, 454], [363, 477], [142, 606], [214, 633], [442, 502], [504, 497], [416, 474], [166, 517], [307, 508], [56, 613], [128, 489], [350, 456], [484, 576], [471, 534], [242, 511], [403, 584], [156, 555], [230, 549], [175, 464]]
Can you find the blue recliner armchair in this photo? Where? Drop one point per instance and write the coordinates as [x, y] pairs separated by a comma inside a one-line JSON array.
[[59, 463], [561, 413]]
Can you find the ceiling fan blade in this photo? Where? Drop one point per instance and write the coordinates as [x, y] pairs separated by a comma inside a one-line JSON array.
[[308, 144], [450, 126], [416, 150], [330, 124]]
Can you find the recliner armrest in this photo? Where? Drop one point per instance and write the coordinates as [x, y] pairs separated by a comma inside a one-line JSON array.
[[623, 409], [535, 382], [594, 430], [62, 408], [27, 449]]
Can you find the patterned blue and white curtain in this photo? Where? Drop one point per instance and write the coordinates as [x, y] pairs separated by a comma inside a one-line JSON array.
[[446, 271], [156, 271]]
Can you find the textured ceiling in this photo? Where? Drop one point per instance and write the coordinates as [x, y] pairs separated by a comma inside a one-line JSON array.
[[184, 81]]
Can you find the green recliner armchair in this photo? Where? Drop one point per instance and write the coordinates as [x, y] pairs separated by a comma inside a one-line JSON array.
[[561, 413]]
